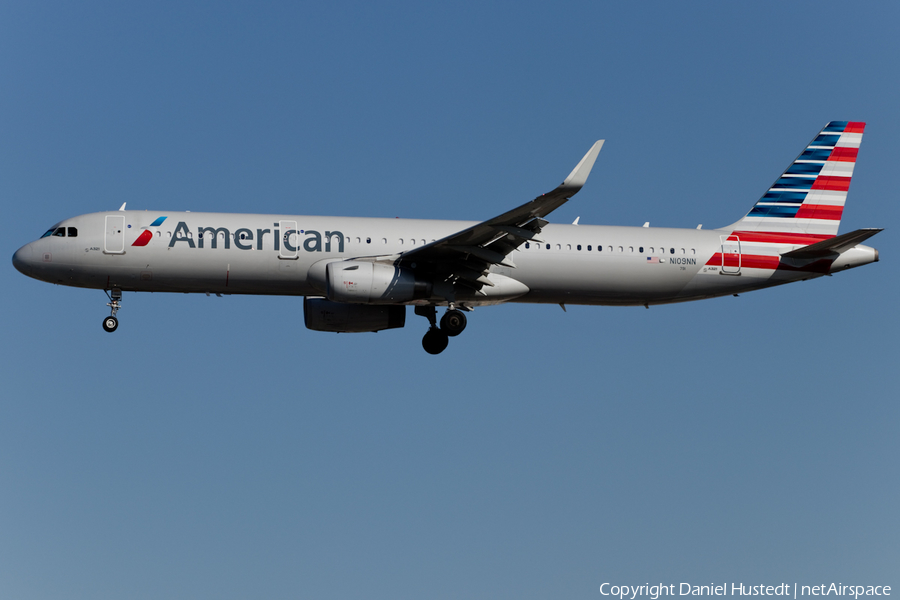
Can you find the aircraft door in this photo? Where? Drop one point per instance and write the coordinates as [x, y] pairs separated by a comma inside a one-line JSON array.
[[731, 255], [290, 240], [114, 239]]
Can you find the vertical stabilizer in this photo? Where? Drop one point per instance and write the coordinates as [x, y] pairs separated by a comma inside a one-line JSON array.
[[809, 196]]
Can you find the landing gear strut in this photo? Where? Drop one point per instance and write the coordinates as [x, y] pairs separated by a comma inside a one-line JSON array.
[[436, 338], [110, 323]]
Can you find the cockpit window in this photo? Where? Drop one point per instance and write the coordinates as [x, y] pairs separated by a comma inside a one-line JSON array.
[[61, 232]]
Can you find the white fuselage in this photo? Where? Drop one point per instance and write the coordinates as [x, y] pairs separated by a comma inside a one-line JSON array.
[[251, 254]]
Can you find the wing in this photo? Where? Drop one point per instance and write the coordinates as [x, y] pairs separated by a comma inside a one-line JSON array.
[[465, 257]]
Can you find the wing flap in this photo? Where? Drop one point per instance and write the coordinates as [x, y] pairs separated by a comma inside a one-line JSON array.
[[485, 254]]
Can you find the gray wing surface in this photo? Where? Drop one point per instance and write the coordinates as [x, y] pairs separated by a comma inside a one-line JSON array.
[[466, 256]]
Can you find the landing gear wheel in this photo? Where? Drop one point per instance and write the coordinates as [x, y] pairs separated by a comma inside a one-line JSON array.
[[453, 322], [435, 341], [115, 303], [110, 324]]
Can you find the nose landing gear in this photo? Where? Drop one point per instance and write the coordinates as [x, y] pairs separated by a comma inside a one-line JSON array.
[[436, 338], [110, 323]]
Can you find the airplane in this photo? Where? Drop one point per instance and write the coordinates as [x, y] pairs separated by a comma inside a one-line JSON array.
[[360, 274]]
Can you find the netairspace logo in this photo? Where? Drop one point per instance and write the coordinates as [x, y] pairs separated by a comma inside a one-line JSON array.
[[632, 592]]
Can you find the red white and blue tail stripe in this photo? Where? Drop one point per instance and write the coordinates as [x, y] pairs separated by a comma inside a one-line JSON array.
[[809, 196]]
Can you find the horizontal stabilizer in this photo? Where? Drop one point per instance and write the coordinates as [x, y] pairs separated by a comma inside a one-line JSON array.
[[835, 245]]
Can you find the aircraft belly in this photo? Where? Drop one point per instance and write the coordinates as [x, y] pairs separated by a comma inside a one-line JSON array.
[[179, 270], [234, 272], [590, 279], [711, 283]]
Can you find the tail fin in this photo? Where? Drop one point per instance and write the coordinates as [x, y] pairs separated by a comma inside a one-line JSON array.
[[809, 196]]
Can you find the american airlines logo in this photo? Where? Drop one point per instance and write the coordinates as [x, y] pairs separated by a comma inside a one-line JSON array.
[[245, 239], [147, 235]]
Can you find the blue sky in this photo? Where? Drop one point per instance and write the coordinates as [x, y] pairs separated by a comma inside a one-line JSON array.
[[215, 448]]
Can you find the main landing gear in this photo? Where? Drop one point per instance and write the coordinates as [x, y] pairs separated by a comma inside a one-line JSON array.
[[436, 338], [110, 323]]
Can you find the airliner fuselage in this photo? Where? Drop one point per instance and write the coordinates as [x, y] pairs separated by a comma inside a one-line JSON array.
[[272, 254]]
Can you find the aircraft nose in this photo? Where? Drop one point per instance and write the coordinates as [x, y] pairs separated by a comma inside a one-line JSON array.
[[23, 259]]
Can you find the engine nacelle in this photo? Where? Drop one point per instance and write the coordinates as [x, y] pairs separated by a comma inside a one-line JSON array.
[[368, 282], [320, 314]]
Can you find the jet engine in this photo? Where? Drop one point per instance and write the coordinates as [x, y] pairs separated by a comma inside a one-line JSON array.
[[368, 282], [321, 314]]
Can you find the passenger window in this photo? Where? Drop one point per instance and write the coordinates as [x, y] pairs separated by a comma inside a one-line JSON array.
[[73, 232], [682, 250], [589, 247], [548, 246], [60, 232], [641, 249], [368, 240], [578, 247], [621, 249], [568, 246], [631, 248], [610, 248], [671, 250], [527, 245]]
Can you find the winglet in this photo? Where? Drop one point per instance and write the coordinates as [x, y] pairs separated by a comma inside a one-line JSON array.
[[123, 206], [579, 174]]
